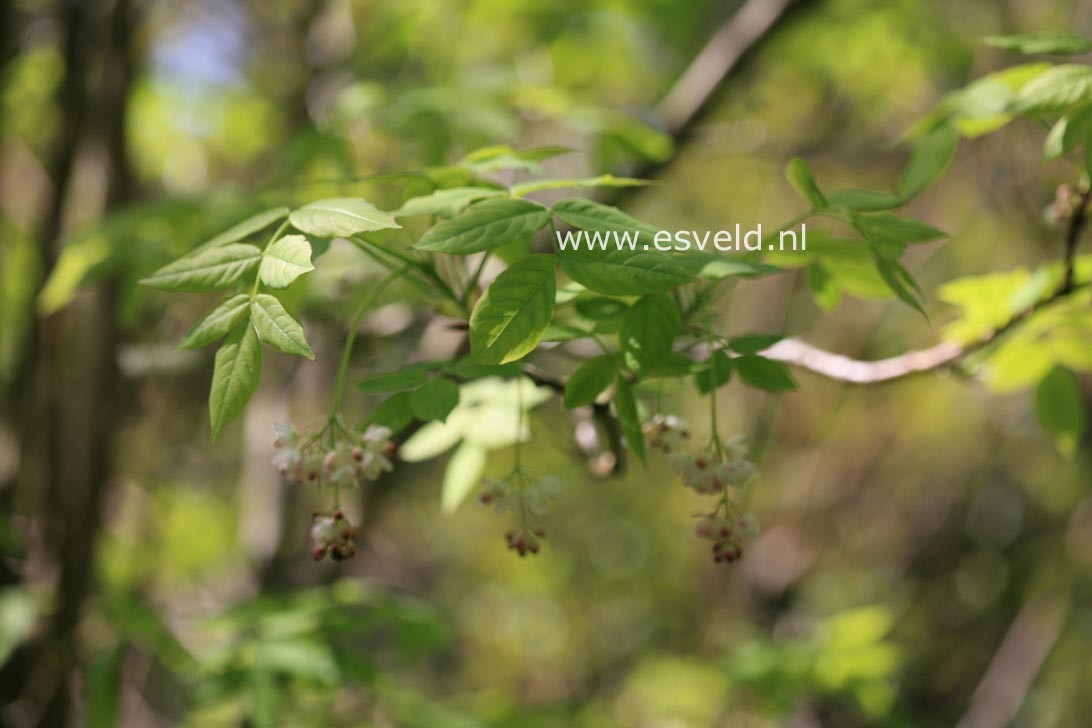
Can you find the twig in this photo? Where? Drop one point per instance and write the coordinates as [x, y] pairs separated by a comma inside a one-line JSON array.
[[1014, 666], [709, 69], [1073, 237]]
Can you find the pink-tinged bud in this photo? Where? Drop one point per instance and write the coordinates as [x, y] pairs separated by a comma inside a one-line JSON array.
[[357, 454], [318, 552]]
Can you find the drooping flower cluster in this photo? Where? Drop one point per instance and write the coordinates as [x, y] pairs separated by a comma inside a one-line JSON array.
[[333, 534], [721, 469], [338, 458], [525, 496], [334, 456]]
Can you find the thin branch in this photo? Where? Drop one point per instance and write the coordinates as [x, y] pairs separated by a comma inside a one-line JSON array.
[[696, 87], [843, 368], [1014, 666], [1073, 237]]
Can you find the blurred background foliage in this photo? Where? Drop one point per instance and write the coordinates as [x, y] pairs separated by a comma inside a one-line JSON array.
[[925, 549]]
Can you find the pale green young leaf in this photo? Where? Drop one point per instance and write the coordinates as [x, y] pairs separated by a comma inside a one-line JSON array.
[[207, 270], [604, 180], [285, 260], [340, 217], [485, 226], [277, 327], [462, 474], [625, 408], [217, 322], [510, 319], [446, 202], [589, 380], [246, 228], [649, 330], [1055, 44], [802, 180], [235, 376], [1057, 90]]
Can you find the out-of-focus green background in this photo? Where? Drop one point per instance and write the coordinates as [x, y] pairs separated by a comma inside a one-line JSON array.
[[925, 555]]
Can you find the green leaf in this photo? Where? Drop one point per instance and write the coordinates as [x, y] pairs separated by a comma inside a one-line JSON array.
[[593, 216], [468, 369], [605, 180], [1059, 404], [715, 267], [623, 272], [217, 322], [931, 155], [485, 226], [589, 380], [801, 179], [649, 330], [884, 227], [408, 377], [716, 372], [462, 474], [510, 319], [901, 283], [247, 227], [763, 373], [1059, 89], [492, 159], [277, 328], [340, 217], [207, 270], [753, 343], [446, 202], [235, 376], [864, 200], [285, 260], [1061, 44], [600, 308], [625, 407], [435, 399], [393, 412]]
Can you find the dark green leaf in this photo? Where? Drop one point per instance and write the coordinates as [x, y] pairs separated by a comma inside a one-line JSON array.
[[763, 373], [931, 155], [408, 377], [753, 343], [393, 412], [649, 330], [510, 319], [1059, 404], [623, 272], [485, 226], [625, 407], [716, 372], [434, 400], [596, 217], [589, 380], [899, 280]]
